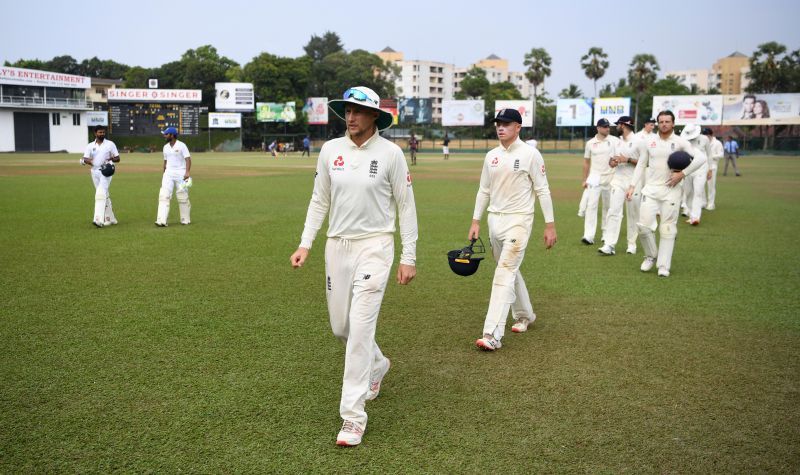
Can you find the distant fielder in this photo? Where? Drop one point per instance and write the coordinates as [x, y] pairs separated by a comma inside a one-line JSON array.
[[99, 154], [177, 177]]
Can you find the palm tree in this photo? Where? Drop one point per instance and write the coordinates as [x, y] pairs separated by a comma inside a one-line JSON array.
[[765, 68], [571, 92], [642, 75], [538, 63], [594, 64]]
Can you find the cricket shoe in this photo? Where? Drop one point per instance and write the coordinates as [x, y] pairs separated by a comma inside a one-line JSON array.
[[375, 383], [663, 272], [161, 225], [606, 250], [586, 241], [186, 222], [631, 250], [350, 435], [648, 264], [522, 324], [99, 225], [711, 207], [488, 343]]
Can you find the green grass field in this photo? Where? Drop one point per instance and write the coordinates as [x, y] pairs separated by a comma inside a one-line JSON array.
[[198, 349]]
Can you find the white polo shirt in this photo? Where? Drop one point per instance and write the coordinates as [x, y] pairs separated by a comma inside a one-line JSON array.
[[176, 156], [644, 135], [361, 190], [717, 152], [628, 148], [100, 153], [599, 151], [653, 156], [511, 180]]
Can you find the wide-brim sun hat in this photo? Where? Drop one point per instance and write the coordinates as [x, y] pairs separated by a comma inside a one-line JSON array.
[[364, 97], [691, 132]]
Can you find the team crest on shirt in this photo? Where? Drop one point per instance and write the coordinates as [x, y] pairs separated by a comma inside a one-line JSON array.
[[653, 144], [495, 161], [543, 173], [338, 164], [373, 169], [408, 178], [672, 146]]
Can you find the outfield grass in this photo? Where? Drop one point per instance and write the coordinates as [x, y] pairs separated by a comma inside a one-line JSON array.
[[198, 349]]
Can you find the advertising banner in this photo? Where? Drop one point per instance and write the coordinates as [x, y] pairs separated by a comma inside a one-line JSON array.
[[467, 112], [32, 77], [96, 118], [275, 112], [390, 105], [611, 108], [234, 96], [701, 110], [525, 109], [573, 112], [224, 120], [761, 109], [416, 110], [316, 109], [155, 95]]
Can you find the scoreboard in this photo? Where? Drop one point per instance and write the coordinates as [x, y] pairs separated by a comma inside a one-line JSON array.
[[131, 118]]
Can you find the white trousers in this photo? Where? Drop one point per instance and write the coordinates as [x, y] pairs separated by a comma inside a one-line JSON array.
[[694, 193], [356, 275], [169, 182], [103, 212], [508, 235], [669, 209], [595, 193], [614, 221], [711, 192]]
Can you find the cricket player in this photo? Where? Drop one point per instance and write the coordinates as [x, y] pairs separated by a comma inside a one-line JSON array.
[[647, 130], [597, 176], [661, 194], [98, 153], [177, 168], [512, 174], [624, 161], [694, 188], [362, 184], [716, 154]]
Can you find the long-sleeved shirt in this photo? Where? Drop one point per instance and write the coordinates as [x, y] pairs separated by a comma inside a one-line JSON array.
[[511, 180], [717, 151], [361, 190], [628, 148], [653, 155], [598, 151]]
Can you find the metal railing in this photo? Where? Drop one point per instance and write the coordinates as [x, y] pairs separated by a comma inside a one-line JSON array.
[[45, 103]]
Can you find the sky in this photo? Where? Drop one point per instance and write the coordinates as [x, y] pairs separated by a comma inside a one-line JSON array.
[[685, 35]]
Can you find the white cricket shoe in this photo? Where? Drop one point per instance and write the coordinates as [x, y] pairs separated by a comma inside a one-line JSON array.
[[99, 225], [350, 434], [161, 225], [186, 222], [711, 207], [648, 264], [375, 383], [663, 272], [522, 324], [631, 250], [606, 250], [488, 343], [587, 241]]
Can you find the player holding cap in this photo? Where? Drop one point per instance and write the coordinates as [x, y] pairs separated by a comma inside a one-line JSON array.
[[177, 165], [597, 176], [661, 193], [362, 183], [694, 188], [716, 153], [512, 173], [98, 153], [624, 161]]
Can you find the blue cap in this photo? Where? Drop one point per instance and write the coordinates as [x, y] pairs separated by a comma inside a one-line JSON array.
[[170, 130]]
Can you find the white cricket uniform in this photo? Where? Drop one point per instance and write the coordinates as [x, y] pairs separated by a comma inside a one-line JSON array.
[[717, 152], [658, 198], [511, 180], [361, 190], [175, 157], [694, 189], [598, 183], [623, 178], [100, 154]]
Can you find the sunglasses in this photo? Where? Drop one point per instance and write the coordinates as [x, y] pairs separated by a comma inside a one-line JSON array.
[[359, 96]]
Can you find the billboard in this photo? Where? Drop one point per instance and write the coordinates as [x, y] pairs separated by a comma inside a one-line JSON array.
[[390, 105], [466, 112], [573, 112], [415, 110], [761, 109], [611, 108], [316, 109], [96, 118], [224, 120], [234, 96], [155, 95], [525, 109], [275, 112], [701, 110], [32, 77]]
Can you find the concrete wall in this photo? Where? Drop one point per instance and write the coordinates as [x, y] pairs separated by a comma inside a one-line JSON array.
[[72, 138], [6, 131]]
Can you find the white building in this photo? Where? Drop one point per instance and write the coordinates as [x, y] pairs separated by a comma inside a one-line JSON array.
[[43, 111]]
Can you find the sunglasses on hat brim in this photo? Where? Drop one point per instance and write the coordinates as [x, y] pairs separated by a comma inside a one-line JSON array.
[[358, 95]]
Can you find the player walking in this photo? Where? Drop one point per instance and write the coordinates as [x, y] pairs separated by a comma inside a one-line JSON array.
[[597, 176], [177, 167], [694, 188], [512, 173], [624, 161], [98, 153], [717, 152], [362, 183], [413, 143]]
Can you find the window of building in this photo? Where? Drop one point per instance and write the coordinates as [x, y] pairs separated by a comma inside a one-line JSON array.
[[56, 118], [76, 119]]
